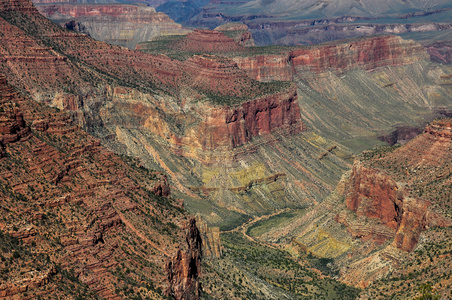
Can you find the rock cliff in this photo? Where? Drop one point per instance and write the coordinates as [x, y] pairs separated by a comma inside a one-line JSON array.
[[365, 53], [373, 194], [207, 41], [226, 128], [184, 269], [117, 24]]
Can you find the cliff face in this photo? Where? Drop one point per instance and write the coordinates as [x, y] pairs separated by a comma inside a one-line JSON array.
[[267, 67], [184, 269], [373, 194], [364, 54], [207, 41], [117, 24], [225, 128]]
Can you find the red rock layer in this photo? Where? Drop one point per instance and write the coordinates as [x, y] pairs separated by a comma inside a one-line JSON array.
[[266, 67], [225, 128], [372, 193], [62, 183], [263, 116], [366, 54], [207, 41]]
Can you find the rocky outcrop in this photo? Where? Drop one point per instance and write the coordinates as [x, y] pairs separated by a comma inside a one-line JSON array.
[[184, 269], [267, 67], [371, 193], [118, 24], [211, 239], [239, 32], [207, 41], [440, 129], [162, 187], [440, 52], [365, 54], [225, 128], [12, 124]]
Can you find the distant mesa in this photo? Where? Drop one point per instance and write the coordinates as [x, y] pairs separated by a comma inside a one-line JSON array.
[[118, 24], [207, 41]]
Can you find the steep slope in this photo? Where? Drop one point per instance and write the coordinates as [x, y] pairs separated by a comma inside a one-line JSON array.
[[387, 206], [153, 107], [84, 215], [352, 92]]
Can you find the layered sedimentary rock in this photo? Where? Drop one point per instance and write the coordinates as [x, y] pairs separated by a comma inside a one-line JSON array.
[[366, 54], [373, 194], [69, 199], [117, 24], [239, 32], [308, 32], [184, 269], [267, 67], [207, 41], [225, 128], [211, 239]]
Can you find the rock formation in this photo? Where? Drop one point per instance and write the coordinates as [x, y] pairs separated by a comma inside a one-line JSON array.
[[204, 41], [366, 54], [117, 24], [239, 32], [86, 209], [373, 194], [211, 239], [184, 269]]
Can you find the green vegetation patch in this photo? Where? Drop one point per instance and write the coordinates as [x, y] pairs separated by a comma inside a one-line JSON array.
[[280, 270]]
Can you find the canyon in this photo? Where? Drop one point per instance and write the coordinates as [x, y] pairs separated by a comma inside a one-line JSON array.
[[117, 24], [240, 136]]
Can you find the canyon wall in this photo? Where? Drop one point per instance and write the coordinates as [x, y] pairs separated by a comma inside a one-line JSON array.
[[365, 53], [117, 24], [86, 198], [373, 193], [226, 128]]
